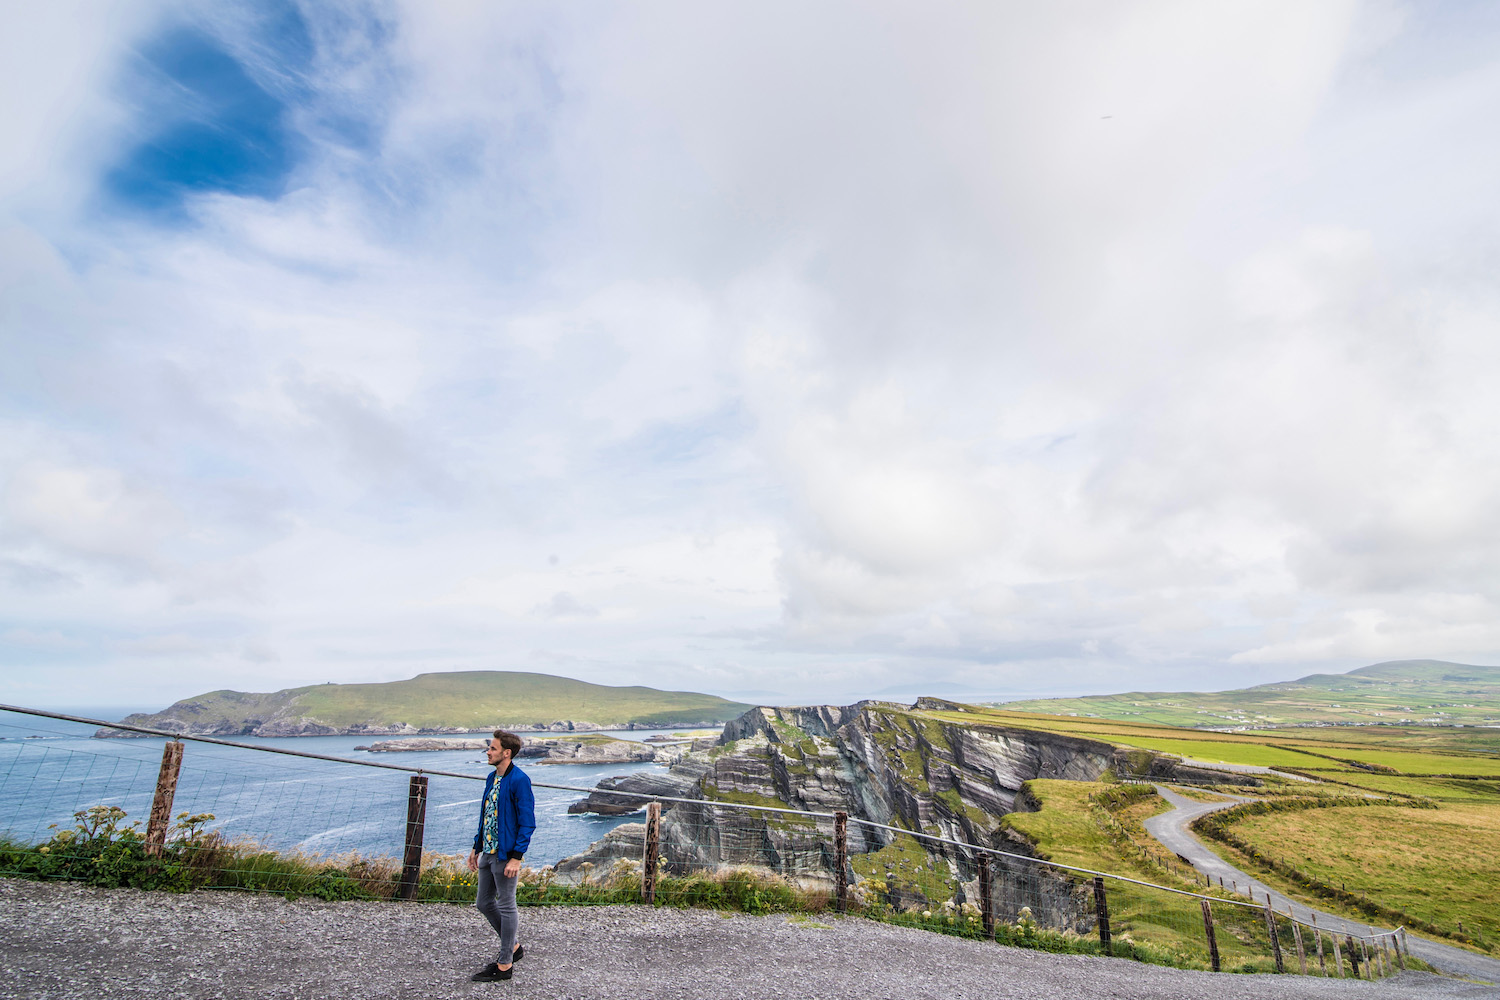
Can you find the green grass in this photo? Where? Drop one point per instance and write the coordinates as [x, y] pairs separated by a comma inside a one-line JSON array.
[[1439, 789], [1069, 829], [1431, 868], [1225, 752], [472, 700], [903, 870], [1420, 763], [1439, 866], [1407, 690], [1472, 740]]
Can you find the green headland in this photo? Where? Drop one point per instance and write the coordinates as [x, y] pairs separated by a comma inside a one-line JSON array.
[[439, 702]]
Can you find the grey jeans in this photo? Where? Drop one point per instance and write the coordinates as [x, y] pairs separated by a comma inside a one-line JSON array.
[[497, 901]]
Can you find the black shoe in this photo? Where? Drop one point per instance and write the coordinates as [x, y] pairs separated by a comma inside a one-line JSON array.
[[491, 973], [518, 954]]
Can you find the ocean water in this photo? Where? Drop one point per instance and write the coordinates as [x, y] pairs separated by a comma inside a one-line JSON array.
[[51, 769]]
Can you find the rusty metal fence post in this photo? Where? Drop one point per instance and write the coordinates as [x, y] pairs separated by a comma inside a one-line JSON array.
[[1208, 930], [841, 859], [653, 843], [161, 801], [416, 822], [1101, 912], [1275, 941], [986, 898]]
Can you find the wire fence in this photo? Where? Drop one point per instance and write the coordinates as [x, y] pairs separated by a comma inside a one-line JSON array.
[[235, 815]]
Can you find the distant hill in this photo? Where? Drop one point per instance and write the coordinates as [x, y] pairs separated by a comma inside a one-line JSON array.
[[1401, 691], [460, 701]]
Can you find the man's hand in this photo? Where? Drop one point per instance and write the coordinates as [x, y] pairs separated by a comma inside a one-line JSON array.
[[473, 861], [512, 867]]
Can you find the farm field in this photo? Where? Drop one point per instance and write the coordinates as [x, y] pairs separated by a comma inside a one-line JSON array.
[[1439, 789], [1276, 748], [1442, 865], [1402, 691], [1477, 740]]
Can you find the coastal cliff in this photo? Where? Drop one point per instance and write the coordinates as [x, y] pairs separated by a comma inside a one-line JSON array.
[[923, 768]]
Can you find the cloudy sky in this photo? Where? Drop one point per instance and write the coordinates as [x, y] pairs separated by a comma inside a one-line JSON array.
[[794, 351]]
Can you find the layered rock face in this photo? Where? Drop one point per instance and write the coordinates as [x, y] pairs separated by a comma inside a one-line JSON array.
[[891, 765]]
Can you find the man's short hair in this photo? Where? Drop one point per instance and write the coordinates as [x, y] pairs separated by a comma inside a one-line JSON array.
[[509, 741]]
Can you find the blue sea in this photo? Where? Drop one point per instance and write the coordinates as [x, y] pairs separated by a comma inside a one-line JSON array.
[[50, 769]]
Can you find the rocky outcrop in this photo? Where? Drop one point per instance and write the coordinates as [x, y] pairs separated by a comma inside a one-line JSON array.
[[888, 765], [298, 725], [538, 751], [424, 744], [625, 844], [683, 781]]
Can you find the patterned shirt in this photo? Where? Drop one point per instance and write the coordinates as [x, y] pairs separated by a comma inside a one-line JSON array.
[[492, 820]]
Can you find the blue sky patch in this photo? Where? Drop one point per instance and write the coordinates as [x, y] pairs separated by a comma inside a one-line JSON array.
[[216, 127]]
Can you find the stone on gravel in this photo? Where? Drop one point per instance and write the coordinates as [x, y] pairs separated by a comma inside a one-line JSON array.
[[64, 940]]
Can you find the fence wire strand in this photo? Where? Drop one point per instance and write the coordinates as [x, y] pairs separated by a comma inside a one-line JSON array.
[[286, 821]]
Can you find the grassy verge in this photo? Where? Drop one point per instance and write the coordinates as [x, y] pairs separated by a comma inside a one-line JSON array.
[[102, 850], [1098, 826], [1433, 870]]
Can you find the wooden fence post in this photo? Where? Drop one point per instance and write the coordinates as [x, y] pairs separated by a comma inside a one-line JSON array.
[[161, 802], [416, 822], [1101, 910], [1398, 943], [1353, 957], [1208, 929], [1338, 960], [841, 858], [1275, 940], [1322, 962], [1297, 934], [1364, 953], [653, 844], [986, 897], [1385, 957]]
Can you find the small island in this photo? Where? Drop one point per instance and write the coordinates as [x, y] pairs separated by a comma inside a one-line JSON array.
[[437, 704], [556, 750]]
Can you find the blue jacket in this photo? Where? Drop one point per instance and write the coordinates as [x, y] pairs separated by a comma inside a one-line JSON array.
[[516, 809]]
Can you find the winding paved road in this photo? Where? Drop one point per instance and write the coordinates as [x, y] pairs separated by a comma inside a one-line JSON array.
[[1171, 829]]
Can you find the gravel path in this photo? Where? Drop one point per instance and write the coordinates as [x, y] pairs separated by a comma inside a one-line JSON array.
[[1171, 829], [63, 940]]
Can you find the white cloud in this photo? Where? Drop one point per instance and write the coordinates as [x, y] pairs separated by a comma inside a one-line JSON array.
[[813, 349]]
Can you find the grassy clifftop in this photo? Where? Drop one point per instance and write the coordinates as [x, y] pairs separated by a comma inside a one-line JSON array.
[[474, 699], [1401, 691]]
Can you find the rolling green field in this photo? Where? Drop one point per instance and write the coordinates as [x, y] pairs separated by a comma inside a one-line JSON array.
[[1439, 865], [1400, 692], [475, 699], [1071, 828]]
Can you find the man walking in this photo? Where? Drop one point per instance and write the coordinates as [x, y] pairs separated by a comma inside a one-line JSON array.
[[507, 816]]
